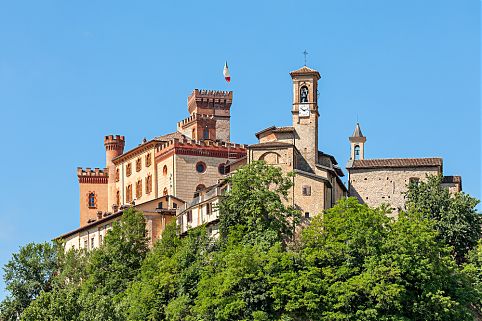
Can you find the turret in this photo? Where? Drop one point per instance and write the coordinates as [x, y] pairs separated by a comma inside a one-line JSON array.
[[114, 146], [357, 144]]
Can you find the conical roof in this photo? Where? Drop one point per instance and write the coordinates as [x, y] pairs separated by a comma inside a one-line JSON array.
[[357, 132]]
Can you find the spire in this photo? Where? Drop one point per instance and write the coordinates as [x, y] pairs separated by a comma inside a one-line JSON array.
[[357, 132]]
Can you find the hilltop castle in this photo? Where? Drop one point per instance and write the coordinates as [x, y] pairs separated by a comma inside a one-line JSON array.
[[180, 175]]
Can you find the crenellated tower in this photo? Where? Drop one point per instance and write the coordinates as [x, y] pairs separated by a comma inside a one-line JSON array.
[[114, 146], [209, 115]]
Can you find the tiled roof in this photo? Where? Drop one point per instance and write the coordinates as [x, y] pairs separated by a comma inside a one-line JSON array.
[[397, 162], [305, 71], [271, 144], [274, 129], [170, 136]]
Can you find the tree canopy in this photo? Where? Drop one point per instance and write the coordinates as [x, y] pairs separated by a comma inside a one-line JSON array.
[[352, 262]]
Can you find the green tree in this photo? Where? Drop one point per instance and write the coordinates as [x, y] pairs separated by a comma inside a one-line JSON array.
[[26, 275], [254, 209], [112, 266], [62, 301], [455, 215], [473, 268], [356, 264]]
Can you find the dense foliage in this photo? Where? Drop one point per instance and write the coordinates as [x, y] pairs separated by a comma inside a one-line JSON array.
[[455, 216], [351, 263]]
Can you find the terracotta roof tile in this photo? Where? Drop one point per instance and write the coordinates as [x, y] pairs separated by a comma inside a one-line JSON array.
[[305, 71], [397, 162], [170, 136]]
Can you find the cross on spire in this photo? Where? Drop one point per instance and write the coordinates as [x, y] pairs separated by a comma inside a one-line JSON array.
[[305, 53]]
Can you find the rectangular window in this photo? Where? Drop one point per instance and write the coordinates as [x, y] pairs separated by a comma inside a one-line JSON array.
[[129, 169], [92, 243], [85, 244], [307, 214], [189, 216], [101, 239], [306, 190], [138, 165], [208, 208]]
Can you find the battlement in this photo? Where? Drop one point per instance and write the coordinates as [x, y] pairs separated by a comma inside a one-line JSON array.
[[116, 142], [192, 118], [209, 99], [202, 148], [94, 176]]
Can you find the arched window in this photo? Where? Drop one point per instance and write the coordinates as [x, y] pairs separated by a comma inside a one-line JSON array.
[[148, 184], [206, 133], [193, 136], [117, 175], [200, 187], [117, 198], [357, 152], [304, 94], [164, 170], [164, 192], [138, 164], [222, 169], [139, 189], [91, 200], [148, 160]]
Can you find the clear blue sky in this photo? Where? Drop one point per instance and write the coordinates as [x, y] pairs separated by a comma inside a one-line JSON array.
[[74, 71]]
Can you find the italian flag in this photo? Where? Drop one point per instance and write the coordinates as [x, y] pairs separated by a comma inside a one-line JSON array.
[[226, 74]]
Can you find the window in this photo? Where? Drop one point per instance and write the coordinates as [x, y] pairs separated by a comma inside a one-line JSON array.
[[164, 192], [117, 198], [128, 169], [139, 189], [413, 180], [85, 244], [148, 184], [101, 239], [200, 187], [148, 160], [222, 169], [200, 167], [304, 94], [117, 175], [174, 205], [159, 205], [357, 152], [92, 200], [206, 133], [92, 243], [307, 214], [129, 193], [138, 164], [164, 170], [306, 190], [189, 216], [208, 209], [193, 136]]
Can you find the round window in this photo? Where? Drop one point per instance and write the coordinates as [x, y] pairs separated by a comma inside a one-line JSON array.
[[200, 167]]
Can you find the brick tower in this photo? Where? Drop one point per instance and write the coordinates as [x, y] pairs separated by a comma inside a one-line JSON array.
[[209, 115], [305, 112], [114, 146]]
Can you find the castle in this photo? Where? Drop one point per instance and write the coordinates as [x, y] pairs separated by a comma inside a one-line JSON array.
[[179, 176]]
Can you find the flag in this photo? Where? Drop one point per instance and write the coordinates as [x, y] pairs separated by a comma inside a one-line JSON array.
[[226, 74]]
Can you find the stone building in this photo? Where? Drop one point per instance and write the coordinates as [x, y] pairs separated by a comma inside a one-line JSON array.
[[317, 183], [384, 181], [174, 166]]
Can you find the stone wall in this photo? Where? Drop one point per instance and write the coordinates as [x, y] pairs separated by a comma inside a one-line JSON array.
[[385, 186]]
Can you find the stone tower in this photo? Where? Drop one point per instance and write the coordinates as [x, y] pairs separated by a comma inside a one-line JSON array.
[[305, 112], [357, 144], [114, 146]]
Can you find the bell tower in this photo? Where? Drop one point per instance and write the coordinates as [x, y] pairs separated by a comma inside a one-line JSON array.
[[357, 144], [305, 112]]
